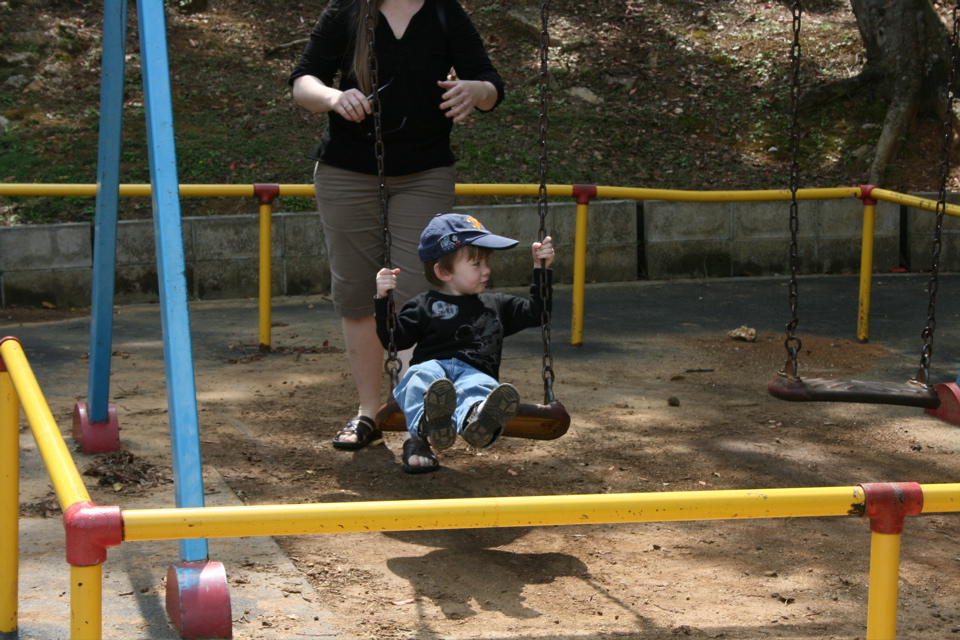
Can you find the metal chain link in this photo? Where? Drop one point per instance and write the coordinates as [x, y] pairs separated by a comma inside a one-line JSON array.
[[923, 375], [547, 370], [792, 342], [392, 364]]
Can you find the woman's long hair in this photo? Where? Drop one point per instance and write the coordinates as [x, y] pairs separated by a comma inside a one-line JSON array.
[[361, 54]]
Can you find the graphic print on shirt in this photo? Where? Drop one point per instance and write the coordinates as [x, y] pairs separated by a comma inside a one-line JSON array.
[[443, 310], [482, 339]]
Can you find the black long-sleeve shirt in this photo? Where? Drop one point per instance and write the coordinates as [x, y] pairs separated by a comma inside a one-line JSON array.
[[470, 328], [416, 132]]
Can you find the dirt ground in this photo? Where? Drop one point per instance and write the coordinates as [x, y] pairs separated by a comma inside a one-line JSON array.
[[658, 411]]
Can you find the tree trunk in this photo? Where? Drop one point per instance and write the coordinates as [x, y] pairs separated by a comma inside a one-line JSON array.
[[907, 51]]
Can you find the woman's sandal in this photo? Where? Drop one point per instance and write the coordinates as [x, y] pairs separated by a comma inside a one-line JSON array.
[[364, 428], [414, 446]]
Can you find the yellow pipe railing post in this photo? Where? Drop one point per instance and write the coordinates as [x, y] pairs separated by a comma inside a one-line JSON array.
[[887, 505], [266, 193], [9, 501], [866, 263], [884, 579], [266, 275], [583, 194], [579, 275], [86, 602], [90, 530], [66, 480], [86, 544]]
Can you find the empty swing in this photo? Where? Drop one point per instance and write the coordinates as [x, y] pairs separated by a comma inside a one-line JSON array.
[[545, 421], [917, 392]]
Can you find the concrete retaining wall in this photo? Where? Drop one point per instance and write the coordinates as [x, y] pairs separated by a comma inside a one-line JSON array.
[[626, 240], [752, 238]]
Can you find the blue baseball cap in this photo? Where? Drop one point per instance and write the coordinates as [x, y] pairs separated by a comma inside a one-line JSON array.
[[447, 232]]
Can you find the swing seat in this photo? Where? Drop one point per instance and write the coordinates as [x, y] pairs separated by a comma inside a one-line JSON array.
[[909, 394], [533, 421]]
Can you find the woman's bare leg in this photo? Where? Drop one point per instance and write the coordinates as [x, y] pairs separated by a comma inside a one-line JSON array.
[[366, 363]]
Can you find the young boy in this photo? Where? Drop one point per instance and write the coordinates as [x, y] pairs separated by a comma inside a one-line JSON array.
[[457, 333]]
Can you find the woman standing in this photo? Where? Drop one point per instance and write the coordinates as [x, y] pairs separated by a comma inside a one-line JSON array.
[[416, 43]]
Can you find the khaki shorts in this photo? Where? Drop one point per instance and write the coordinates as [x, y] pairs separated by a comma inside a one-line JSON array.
[[350, 213]]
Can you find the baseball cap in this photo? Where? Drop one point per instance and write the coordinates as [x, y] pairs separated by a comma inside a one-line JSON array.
[[448, 232]]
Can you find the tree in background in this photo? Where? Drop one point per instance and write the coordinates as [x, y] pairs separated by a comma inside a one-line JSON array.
[[907, 49]]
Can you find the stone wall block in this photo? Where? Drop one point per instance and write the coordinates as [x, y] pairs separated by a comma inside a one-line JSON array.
[[302, 234], [62, 287], [233, 237], [683, 221], [50, 246]]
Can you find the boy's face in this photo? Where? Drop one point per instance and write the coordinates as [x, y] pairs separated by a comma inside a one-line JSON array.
[[469, 275]]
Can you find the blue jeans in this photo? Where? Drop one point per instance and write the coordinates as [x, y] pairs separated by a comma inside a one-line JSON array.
[[472, 386]]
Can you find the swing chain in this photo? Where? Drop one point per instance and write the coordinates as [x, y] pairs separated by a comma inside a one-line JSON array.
[[391, 365], [923, 375], [547, 370], [792, 342]]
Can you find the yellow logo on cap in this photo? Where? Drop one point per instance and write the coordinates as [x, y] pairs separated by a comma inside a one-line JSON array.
[[476, 223]]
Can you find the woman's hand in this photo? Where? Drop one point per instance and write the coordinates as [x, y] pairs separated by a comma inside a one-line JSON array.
[[352, 105], [312, 94], [461, 96], [386, 280]]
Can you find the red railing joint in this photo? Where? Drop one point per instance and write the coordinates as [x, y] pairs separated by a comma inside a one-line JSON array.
[[888, 503], [584, 192], [90, 530], [866, 194], [266, 192]]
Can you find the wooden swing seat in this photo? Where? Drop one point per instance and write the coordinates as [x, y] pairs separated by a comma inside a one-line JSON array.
[[533, 421], [909, 394]]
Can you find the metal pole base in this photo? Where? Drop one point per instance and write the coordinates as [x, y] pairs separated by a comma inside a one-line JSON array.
[[96, 437], [198, 600], [949, 409]]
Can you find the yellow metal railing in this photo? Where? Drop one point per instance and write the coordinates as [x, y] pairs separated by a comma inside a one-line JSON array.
[[18, 387], [870, 196], [583, 194], [9, 497], [85, 591]]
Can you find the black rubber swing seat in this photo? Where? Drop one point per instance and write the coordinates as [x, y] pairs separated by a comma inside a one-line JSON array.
[[533, 421], [909, 394]]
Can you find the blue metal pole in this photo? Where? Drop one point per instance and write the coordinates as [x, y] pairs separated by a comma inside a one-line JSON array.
[[108, 202], [171, 266]]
